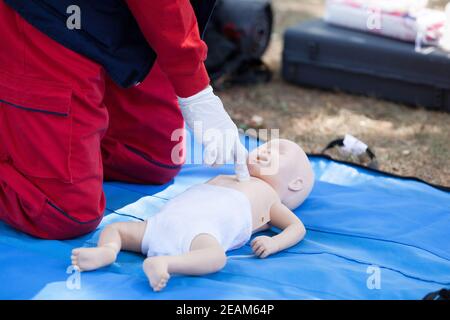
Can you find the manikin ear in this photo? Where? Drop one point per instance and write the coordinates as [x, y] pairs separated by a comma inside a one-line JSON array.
[[296, 184]]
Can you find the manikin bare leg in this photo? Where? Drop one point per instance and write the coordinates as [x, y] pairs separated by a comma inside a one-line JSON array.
[[114, 237], [206, 256]]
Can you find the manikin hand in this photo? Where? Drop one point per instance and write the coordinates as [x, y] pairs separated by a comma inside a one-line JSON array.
[[205, 115], [263, 246]]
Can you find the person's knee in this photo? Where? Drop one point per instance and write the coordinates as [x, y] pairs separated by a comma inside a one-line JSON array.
[[152, 171], [165, 177], [124, 163], [72, 210], [60, 224], [52, 210]]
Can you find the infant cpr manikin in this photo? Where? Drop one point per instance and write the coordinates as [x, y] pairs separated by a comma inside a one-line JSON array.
[[192, 232]]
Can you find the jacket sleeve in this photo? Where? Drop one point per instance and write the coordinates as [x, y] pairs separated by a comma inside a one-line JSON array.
[[171, 29]]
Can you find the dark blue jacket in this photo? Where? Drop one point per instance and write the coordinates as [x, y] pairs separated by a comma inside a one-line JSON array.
[[109, 33]]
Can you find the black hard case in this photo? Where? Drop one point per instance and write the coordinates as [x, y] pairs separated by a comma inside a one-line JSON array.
[[320, 55]]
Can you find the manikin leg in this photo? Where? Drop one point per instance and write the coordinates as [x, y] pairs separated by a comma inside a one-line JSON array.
[[115, 237], [206, 256]]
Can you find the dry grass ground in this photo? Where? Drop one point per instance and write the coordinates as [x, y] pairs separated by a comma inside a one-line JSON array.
[[408, 141]]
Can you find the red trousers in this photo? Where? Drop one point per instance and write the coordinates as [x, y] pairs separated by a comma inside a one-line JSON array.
[[64, 127]]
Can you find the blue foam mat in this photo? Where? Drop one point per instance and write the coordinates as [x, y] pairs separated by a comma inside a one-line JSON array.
[[357, 220]]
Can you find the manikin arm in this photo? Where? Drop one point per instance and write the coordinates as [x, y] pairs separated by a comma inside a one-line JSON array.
[[293, 231]]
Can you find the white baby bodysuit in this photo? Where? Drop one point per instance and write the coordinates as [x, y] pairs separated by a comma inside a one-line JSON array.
[[221, 212]]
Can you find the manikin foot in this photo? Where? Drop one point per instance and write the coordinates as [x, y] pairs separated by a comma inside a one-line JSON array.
[[88, 259], [156, 269]]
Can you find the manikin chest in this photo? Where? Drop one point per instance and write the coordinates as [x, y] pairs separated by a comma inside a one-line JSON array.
[[260, 195]]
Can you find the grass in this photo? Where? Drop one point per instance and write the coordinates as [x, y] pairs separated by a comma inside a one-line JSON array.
[[407, 141]]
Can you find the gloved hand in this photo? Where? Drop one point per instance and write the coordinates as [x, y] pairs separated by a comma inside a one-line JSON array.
[[205, 115]]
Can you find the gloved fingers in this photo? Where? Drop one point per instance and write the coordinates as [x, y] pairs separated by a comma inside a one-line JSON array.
[[232, 151], [240, 167], [240, 152], [212, 142], [241, 171], [210, 154], [219, 150], [224, 144], [229, 149]]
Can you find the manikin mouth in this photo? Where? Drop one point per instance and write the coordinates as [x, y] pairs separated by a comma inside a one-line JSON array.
[[264, 162], [263, 159]]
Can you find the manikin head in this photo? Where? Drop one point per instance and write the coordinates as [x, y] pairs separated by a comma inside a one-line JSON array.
[[285, 166]]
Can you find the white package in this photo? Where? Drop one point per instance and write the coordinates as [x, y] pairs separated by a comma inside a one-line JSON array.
[[407, 20]]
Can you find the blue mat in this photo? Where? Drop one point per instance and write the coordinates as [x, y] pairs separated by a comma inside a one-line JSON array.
[[370, 236]]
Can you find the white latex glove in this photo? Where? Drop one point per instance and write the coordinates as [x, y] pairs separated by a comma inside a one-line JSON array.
[[205, 115]]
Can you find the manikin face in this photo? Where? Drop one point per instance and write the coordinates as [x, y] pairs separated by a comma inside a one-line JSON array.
[[285, 166]]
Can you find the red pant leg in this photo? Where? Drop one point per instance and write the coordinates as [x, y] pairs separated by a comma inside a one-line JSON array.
[[52, 120], [138, 146]]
